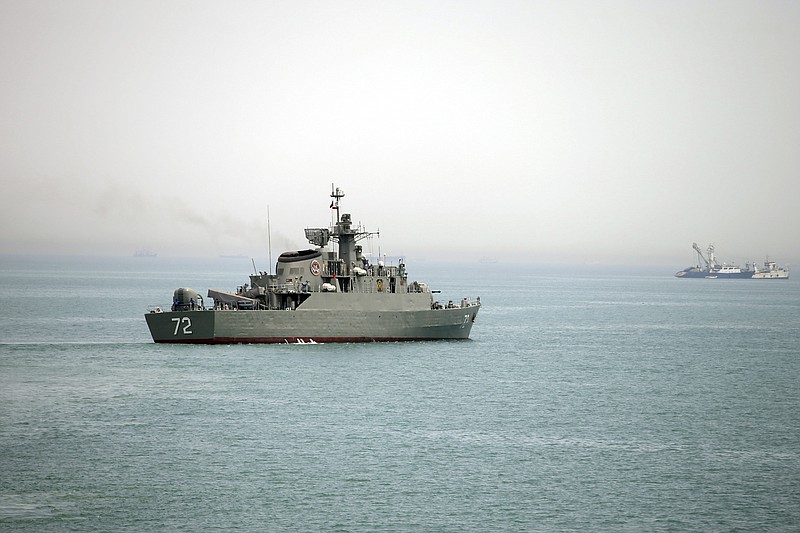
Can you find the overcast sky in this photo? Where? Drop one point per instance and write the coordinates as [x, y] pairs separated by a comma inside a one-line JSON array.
[[567, 131]]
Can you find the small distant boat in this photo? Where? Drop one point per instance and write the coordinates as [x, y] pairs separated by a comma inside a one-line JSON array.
[[144, 253], [711, 269]]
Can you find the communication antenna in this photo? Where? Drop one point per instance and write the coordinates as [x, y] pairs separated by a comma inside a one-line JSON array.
[[269, 242]]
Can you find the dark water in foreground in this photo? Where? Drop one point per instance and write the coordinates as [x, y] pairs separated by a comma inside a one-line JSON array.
[[593, 402]]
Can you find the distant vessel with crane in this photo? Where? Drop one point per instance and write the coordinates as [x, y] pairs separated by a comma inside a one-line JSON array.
[[712, 269]]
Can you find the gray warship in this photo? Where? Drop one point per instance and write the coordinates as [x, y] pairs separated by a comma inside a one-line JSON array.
[[329, 293]]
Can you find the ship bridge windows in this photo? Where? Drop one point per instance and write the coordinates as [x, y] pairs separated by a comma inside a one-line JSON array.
[[336, 268]]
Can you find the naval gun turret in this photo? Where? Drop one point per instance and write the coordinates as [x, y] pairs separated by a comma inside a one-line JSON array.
[[186, 299]]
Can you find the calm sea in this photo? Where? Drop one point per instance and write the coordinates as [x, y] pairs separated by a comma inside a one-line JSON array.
[[584, 401]]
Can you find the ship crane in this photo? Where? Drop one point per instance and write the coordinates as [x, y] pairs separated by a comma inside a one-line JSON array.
[[700, 255], [711, 262]]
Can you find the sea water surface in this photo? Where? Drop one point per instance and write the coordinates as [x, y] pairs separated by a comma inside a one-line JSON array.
[[592, 401]]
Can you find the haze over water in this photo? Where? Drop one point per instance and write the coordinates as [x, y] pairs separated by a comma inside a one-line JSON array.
[[562, 132]]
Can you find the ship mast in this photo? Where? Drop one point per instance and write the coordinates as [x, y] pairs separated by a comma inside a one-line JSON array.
[[344, 234], [712, 259], [269, 241], [337, 195]]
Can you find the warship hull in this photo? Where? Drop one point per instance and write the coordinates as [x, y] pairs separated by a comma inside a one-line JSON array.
[[313, 325]]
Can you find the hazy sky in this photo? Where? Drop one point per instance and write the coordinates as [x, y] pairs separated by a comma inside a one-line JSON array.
[[572, 131]]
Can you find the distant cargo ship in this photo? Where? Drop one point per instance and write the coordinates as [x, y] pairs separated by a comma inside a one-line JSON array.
[[144, 253], [711, 269]]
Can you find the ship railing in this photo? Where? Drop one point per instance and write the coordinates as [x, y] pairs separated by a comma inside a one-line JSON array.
[[172, 307], [291, 288], [464, 303], [282, 287]]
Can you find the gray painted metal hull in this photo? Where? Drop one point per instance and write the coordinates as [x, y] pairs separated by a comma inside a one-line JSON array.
[[317, 325]]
